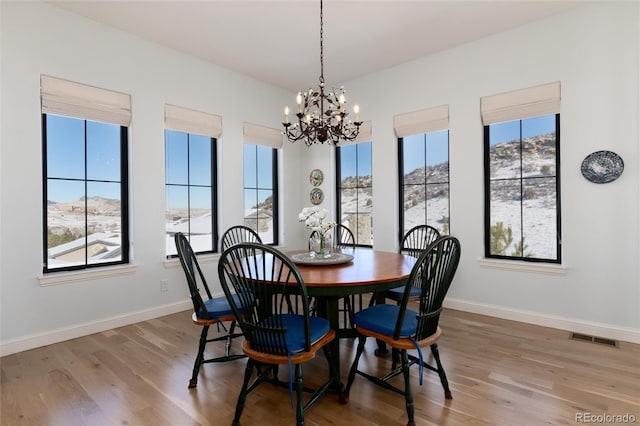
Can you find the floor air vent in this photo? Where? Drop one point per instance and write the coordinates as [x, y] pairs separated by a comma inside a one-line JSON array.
[[594, 339]]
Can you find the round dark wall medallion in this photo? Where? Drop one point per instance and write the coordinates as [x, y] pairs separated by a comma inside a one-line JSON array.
[[602, 167]]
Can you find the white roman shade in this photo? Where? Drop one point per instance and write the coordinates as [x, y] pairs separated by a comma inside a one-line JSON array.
[[423, 121], [260, 135], [63, 97], [192, 121], [363, 136], [519, 104]]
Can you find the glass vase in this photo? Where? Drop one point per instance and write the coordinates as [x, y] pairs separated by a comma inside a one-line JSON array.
[[321, 245]]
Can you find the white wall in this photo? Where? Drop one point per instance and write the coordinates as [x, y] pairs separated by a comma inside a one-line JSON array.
[[40, 39], [593, 51]]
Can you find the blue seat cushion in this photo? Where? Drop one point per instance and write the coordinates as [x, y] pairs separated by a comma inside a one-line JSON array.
[[397, 293], [382, 319], [219, 307], [294, 335]]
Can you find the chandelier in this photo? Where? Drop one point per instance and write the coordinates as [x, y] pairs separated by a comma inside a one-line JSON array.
[[322, 117]]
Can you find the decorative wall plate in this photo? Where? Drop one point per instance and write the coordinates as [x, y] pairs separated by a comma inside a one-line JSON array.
[[316, 177], [316, 196], [602, 167]]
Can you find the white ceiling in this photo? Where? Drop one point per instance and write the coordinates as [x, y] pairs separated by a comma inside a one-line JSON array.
[[279, 41]]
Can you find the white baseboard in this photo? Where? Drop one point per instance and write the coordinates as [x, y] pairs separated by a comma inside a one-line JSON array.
[[609, 331], [59, 335]]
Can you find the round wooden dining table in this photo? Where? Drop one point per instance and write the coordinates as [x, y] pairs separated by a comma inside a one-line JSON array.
[[370, 271]]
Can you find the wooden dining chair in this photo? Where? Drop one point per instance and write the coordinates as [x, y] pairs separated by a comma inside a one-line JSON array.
[[405, 329], [414, 242], [238, 234], [267, 293], [213, 310]]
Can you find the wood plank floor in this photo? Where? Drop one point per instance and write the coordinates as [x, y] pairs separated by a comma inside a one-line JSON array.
[[500, 373]]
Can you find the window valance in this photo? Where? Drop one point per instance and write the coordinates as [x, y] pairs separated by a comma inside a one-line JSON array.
[[192, 121], [67, 98], [260, 135], [519, 104], [423, 121]]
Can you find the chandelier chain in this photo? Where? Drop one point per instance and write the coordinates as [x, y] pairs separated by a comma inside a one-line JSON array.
[[315, 124], [321, 46]]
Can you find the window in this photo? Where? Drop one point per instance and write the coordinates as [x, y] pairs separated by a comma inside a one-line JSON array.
[[423, 166], [190, 173], [424, 180], [260, 191], [261, 180], [85, 171], [521, 174], [522, 189], [190, 142], [355, 190]]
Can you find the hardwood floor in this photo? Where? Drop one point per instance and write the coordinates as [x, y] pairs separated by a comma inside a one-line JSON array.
[[500, 373]]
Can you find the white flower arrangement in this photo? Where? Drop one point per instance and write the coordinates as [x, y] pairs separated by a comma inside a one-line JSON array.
[[314, 218]]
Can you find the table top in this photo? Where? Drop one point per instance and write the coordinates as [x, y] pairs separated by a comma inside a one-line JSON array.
[[370, 270]]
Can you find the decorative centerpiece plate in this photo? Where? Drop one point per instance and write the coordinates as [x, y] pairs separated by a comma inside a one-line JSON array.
[[602, 167], [307, 258]]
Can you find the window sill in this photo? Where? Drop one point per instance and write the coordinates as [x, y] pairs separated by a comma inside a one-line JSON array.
[[56, 278], [174, 262], [514, 265]]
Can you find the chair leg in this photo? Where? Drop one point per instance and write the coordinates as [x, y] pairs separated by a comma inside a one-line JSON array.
[[248, 371], [408, 396], [354, 366], [395, 353], [441, 373], [196, 366], [299, 401], [227, 345], [395, 358]]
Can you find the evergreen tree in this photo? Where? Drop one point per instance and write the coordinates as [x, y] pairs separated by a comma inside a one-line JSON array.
[[501, 238]]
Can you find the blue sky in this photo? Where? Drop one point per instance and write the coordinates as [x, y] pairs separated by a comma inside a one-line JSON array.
[[510, 130], [188, 162], [66, 158], [258, 173], [355, 156], [66, 152], [425, 149]]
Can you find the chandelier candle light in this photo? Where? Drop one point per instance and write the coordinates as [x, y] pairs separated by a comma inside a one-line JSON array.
[[317, 124], [314, 219]]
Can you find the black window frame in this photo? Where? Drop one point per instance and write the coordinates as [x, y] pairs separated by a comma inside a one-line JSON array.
[[487, 199], [401, 185], [339, 190], [274, 198], [214, 192], [124, 201]]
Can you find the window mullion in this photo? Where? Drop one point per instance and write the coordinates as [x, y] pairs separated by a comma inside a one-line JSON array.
[[86, 197], [189, 185], [426, 187], [521, 242]]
